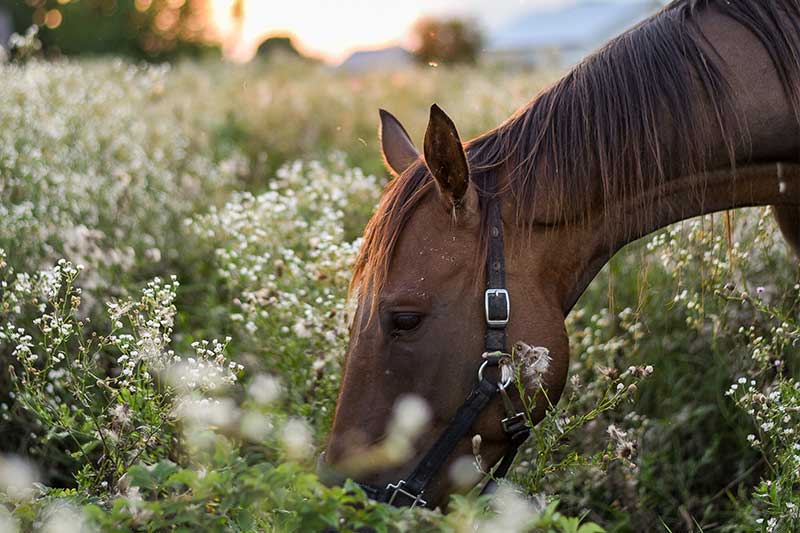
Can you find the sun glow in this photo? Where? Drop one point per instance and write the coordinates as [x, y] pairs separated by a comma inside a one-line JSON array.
[[330, 29]]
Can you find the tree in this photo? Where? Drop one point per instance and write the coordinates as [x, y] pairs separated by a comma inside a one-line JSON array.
[[450, 40], [277, 45], [144, 29]]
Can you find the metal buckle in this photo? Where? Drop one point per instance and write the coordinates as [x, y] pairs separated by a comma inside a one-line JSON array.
[[495, 293], [398, 489]]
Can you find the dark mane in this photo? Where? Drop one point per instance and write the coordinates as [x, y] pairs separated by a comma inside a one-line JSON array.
[[598, 134]]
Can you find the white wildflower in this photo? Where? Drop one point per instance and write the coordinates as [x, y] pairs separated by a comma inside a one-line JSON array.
[[121, 415], [534, 362], [17, 477], [8, 523], [410, 416], [63, 517], [464, 473], [301, 330], [625, 448], [265, 389], [296, 438], [514, 511], [207, 413], [255, 426]]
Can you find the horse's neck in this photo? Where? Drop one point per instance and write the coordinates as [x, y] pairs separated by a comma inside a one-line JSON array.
[[588, 248], [766, 132], [765, 172]]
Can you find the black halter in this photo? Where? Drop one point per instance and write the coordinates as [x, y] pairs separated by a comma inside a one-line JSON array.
[[410, 491]]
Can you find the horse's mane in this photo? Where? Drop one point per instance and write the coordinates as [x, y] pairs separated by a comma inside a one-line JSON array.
[[637, 111]]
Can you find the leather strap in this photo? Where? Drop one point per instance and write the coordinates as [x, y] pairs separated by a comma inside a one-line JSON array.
[[416, 483], [496, 299], [517, 438]]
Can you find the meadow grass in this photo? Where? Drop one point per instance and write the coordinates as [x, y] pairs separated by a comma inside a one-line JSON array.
[[176, 247]]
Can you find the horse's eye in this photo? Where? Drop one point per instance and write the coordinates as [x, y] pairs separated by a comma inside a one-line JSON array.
[[405, 321]]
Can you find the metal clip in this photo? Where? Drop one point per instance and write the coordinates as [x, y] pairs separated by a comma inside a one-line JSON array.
[[398, 489], [514, 422]]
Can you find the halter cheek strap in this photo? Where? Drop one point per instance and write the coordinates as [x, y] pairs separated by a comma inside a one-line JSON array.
[[497, 307], [498, 310], [497, 304]]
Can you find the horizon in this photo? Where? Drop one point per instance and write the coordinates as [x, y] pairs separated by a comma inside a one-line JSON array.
[[363, 25]]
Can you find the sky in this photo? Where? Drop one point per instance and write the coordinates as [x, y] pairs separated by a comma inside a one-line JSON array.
[[332, 29]]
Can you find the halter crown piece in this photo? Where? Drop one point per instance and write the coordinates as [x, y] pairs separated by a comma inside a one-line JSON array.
[[497, 307]]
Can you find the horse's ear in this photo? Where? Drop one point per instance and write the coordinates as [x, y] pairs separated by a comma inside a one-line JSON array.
[[399, 152], [445, 157]]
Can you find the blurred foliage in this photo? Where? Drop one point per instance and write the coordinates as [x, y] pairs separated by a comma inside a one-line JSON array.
[[447, 41], [154, 30]]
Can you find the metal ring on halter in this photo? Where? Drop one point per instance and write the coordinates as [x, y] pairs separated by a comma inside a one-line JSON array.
[[500, 385], [504, 384]]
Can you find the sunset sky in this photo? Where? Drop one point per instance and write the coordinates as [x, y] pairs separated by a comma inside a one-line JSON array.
[[334, 28]]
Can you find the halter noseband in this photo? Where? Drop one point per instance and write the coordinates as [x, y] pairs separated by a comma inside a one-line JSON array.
[[497, 306]]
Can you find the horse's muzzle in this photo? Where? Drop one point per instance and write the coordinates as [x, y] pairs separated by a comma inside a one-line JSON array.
[[327, 474]]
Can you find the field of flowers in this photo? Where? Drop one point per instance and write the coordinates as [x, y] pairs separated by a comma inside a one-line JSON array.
[[175, 246]]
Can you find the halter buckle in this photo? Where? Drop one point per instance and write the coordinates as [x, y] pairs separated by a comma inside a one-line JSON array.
[[398, 489], [489, 299]]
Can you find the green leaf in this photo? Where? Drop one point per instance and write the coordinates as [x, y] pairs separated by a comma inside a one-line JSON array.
[[591, 527]]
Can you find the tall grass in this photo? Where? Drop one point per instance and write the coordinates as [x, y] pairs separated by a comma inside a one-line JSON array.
[[176, 249]]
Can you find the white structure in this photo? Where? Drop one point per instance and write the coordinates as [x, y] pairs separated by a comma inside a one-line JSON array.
[[392, 58], [563, 36], [6, 26]]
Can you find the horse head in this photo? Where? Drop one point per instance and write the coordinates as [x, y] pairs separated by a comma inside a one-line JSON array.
[[419, 324]]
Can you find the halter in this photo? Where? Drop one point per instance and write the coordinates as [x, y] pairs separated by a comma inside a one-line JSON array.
[[497, 308]]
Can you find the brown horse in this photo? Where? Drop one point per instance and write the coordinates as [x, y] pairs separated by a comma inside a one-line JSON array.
[[695, 110]]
